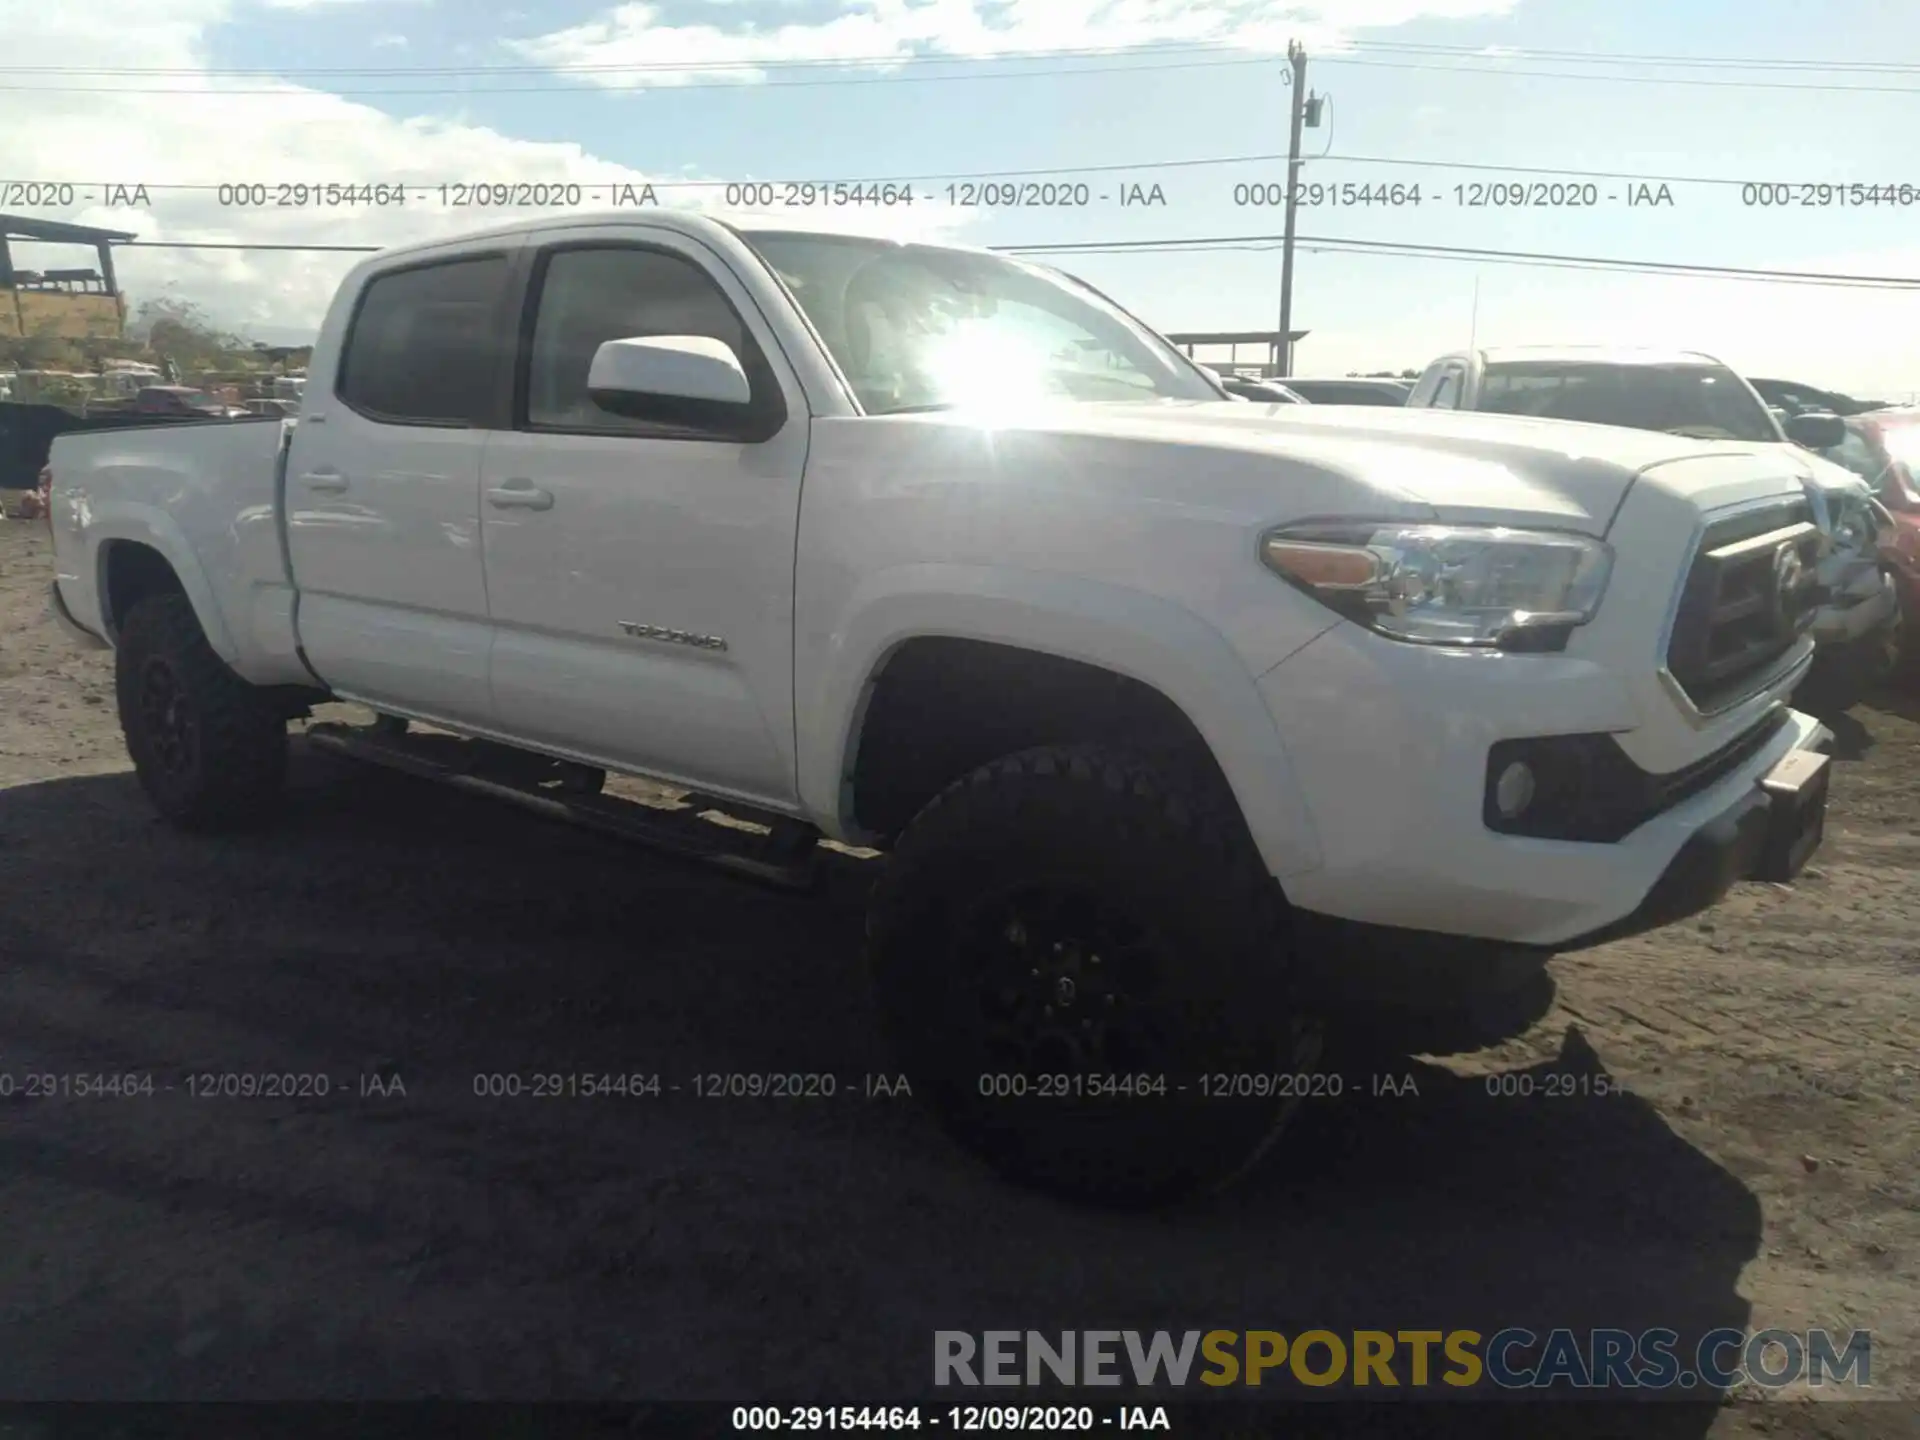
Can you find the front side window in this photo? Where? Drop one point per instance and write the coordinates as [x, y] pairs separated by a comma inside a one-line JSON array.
[[1707, 402], [920, 327], [423, 343], [591, 296], [1447, 395]]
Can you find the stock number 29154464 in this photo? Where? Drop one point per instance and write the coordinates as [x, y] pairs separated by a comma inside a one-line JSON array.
[[827, 1417]]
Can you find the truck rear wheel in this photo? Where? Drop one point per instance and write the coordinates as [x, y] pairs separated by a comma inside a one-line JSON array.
[[1071, 956], [210, 750]]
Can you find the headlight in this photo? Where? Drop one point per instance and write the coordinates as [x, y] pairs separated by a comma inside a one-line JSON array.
[[1447, 584]]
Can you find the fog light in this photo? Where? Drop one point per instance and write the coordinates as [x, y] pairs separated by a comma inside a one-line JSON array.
[[1513, 791]]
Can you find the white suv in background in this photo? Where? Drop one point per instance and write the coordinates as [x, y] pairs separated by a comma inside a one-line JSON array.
[[1686, 392]]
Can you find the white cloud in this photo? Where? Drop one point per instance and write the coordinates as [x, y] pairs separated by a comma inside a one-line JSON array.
[[203, 136], [882, 33], [328, 4], [390, 42]]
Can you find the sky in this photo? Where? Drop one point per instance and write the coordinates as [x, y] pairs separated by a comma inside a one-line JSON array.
[[1116, 96]]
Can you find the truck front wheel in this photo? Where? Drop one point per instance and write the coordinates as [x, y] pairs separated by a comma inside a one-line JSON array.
[[1084, 969], [210, 750]]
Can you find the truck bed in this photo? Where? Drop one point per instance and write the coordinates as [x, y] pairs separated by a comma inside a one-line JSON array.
[[28, 429], [208, 489]]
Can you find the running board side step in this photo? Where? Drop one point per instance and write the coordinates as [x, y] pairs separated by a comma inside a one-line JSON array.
[[787, 858]]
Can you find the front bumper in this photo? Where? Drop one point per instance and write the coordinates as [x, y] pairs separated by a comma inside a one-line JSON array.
[[1768, 833], [63, 617], [1860, 610], [1764, 834], [1391, 745]]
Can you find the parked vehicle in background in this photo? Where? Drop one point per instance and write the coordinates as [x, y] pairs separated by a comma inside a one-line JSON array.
[[1176, 717], [1693, 394], [1249, 387], [182, 400], [1883, 448], [1350, 391], [1795, 398], [124, 380]]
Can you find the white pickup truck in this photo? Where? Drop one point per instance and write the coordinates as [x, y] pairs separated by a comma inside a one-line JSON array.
[[1180, 719]]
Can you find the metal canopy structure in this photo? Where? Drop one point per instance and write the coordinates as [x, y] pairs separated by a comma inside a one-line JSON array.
[[57, 232], [1279, 359]]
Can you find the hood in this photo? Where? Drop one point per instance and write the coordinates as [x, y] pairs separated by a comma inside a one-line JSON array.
[[1458, 467]]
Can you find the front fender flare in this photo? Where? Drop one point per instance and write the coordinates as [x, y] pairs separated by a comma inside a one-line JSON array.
[[1144, 637]]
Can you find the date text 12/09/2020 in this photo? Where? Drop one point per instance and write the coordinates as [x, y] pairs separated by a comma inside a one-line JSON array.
[[280, 195], [1573, 194], [995, 194]]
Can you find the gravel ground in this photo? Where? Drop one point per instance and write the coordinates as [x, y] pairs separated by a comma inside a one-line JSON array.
[[392, 936]]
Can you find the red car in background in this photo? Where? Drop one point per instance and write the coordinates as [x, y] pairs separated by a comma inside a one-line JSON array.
[[1883, 447]]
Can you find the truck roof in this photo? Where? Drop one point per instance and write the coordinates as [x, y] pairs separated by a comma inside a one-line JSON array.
[[693, 223], [1595, 355]]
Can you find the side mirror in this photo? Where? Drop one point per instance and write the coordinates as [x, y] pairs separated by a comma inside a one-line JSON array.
[[688, 380], [1816, 429]]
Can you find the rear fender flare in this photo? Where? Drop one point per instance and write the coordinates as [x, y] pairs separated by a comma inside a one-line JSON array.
[[157, 531]]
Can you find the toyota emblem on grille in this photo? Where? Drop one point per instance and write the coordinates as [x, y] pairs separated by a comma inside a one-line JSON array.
[[1792, 582]]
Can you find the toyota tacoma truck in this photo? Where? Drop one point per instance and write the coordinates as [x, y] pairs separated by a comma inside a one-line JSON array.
[[1179, 723], [1858, 625]]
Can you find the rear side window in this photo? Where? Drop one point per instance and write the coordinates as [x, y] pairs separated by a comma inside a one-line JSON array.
[[424, 343]]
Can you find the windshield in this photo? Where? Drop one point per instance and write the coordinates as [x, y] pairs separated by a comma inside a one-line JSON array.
[[916, 327], [1708, 402]]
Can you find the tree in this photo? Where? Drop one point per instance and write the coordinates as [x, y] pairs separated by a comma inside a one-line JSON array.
[[179, 330]]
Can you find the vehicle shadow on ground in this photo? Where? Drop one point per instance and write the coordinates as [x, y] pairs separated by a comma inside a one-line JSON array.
[[370, 1244]]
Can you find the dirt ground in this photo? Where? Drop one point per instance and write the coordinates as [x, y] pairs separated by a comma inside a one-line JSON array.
[[1759, 1171]]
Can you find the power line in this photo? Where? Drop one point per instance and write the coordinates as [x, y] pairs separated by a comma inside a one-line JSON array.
[[1329, 243], [1627, 79], [742, 84], [665, 67], [1195, 162], [1217, 45], [660, 184], [747, 68], [1729, 62], [1413, 251], [244, 245]]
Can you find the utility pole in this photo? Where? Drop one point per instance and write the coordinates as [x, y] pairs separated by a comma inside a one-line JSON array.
[[1297, 54]]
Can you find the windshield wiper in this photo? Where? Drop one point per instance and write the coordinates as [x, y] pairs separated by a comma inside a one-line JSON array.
[[917, 409]]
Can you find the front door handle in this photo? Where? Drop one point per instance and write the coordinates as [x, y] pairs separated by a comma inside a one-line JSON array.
[[328, 480], [520, 495]]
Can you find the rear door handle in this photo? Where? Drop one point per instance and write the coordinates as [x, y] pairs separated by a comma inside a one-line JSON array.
[[329, 480], [520, 495]]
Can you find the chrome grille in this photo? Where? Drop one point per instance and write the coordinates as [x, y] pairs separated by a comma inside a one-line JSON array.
[[1750, 595]]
